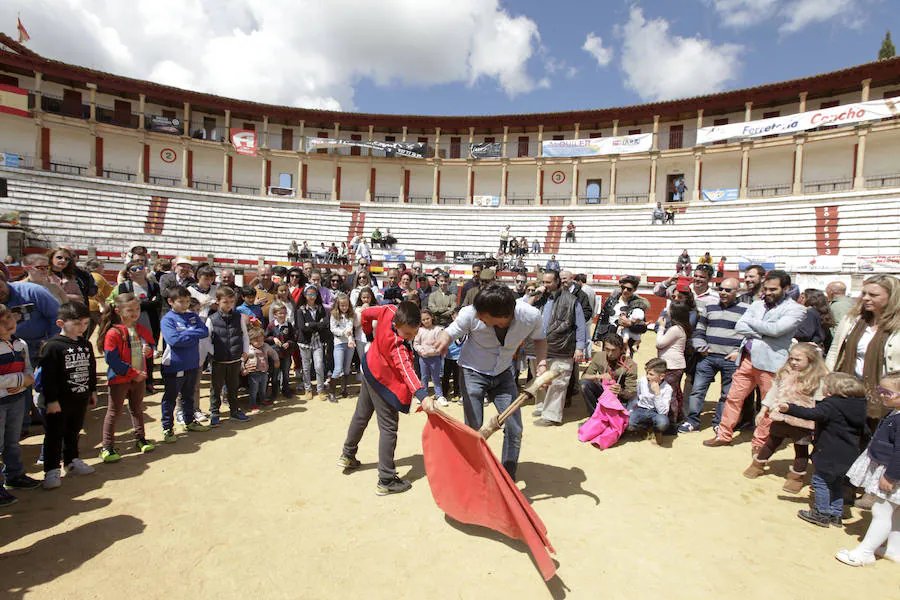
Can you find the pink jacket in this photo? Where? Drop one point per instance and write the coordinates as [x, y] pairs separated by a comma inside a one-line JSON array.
[[608, 422]]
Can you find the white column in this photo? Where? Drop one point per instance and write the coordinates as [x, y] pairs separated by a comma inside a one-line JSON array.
[[263, 191], [225, 170], [653, 169], [859, 180], [574, 199], [615, 127], [698, 165], [864, 96], [403, 136], [437, 142], [577, 130], [505, 140], [745, 170], [802, 107], [748, 107], [537, 181], [185, 147], [38, 94], [142, 103], [92, 164], [798, 164], [265, 132], [699, 119], [655, 132], [187, 119], [93, 101], [503, 172], [612, 179], [403, 179], [540, 140], [334, 167], [469, 190], [298, 185], [434, 185]]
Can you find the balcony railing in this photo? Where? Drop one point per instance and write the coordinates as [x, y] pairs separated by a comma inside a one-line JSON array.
[[317, 195], [764, 191], [207, 186], [556, 200], [164, 180], [119, 175], [68, 168], [831, 185], [880, 181], [420, 199], [632, 198], [247, 190], [520, 200], [452, 200], [593, 199]]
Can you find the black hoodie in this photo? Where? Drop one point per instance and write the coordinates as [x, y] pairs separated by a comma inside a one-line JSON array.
[[839, 424]]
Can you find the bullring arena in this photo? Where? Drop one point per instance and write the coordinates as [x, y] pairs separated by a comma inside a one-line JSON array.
[[94, 161]]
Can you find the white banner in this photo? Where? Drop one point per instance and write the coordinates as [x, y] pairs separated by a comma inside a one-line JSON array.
[[623, 144], [837, 115], [878, 264], [486, 200]]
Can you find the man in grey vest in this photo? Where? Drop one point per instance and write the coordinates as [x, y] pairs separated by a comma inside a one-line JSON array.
[[566, 333]]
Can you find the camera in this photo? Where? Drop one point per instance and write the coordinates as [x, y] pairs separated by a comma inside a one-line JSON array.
[[22, 311]]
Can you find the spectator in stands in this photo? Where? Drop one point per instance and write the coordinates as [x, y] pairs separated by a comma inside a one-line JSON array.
[[441, 302], [570, 231], [77, 283], [536, 246], [226, 277], [472, 283], [720, 268], [753, 278], [354, 242], [148, 293], [37, 269], [838, 301], [670, 214], [612, 363], [363, 251], [552, 264], [377, 236], [623, 308], [410, 292], [389, 240], [204, 291], [523, 246], [519, 266], [816, 327], [485, 278], [332, 255], [659, 214], [680, 189], [265, 287], [305, 251], [183, 275], [683, 265], [504, 238], [97, 302], [293, 253], [717, 344], [566, 332], [321, 255], [11, 262], [513, 246], [867, 340], [343, 254], [706, 259], [768, 327]]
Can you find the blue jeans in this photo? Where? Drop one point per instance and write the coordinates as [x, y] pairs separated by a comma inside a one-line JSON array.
[[431, 367], [502, 390], [703, 377], [11, 414], [829, 491], [174, 385], [640, 419], [257, 383], [343, 357]]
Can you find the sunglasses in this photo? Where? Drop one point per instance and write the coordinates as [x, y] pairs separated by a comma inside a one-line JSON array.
[[627, 287], [728, 290], [295, 275], [885, 393], [137, 269], [41, 267], [520, 281], [335, 281]]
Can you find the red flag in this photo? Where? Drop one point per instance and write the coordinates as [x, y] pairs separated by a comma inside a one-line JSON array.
[[23, 34], [471, 485]]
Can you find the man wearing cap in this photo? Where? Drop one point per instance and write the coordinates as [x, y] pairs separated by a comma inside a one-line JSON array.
[[485, 277], [182, 274], [699, 286]]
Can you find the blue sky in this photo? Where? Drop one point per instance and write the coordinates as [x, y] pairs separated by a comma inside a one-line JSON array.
[[458, 56]]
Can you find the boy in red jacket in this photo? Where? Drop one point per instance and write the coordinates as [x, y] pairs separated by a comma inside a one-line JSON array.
[[389, 382]]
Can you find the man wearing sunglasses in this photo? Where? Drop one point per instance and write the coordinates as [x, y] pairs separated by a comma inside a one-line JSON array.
[[623, 308], [37, 266], [717, 343], [472, 283]]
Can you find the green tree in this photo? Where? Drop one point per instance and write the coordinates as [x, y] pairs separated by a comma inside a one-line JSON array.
[[887, 47]]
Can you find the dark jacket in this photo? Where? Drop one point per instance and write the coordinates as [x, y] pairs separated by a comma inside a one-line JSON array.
[[810, 329], [609, 308], [310, 322], [561, 328], [226, 332], [149, 305], [839, 424], [166, 282], [885, 446], [86, 284], [583, 302]]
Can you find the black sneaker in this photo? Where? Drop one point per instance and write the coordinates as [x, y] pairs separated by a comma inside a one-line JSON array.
[[836, 520], [22, 482], [815, 517], [392, 486], [348, 462], [6, 498]]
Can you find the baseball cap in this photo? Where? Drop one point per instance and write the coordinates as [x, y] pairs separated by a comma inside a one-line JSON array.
[[683, 284], [182, 260], [487, 275]]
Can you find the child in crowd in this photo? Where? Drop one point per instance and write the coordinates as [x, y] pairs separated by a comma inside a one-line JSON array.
[[280, 334], [205, 291], [312, 324], [366, 298], [182, 330], [650, 407], [250, 308], [798, 381], [450, 378], [840, 420], [283, 295], [430, 360], [343, 324], [69, 381], [260, 359], [877, 471], [632, 340], [16, 375], [230, 344], [126, 344]]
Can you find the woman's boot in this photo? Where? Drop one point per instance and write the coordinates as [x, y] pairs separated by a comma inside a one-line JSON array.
[[756, 468], [794, 482], [332, 384], [344, 386]]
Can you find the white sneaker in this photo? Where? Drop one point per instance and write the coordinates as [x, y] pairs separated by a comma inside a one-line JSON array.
[[51, 480], [179, 416], [443, 401], [78, 467], [200, 417]]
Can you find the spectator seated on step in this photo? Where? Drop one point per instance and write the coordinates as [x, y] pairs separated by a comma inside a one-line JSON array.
[[552, 264], [659, 214]]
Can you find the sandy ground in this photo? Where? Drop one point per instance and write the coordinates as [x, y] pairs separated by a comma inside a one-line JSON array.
[[259, 510]]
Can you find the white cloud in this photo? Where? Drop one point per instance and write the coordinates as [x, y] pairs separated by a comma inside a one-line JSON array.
[[294, 52], [744, 13], [660, 66], [593, 45], [800, 13]]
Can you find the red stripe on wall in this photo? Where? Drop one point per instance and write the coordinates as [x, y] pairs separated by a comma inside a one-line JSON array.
[[45, 148], [190, 168], [228, 173], [337, 183], [98, 154], [146, 163]]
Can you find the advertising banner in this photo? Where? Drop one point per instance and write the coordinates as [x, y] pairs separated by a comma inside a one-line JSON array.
[[623, 144], [486, 150], [13, 100], [244, 141], [486, 200], [391, 149], [431, 256], [836, 115], [720, 194], [467, 257], [165, 125], [9, 160], [878, 264]]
